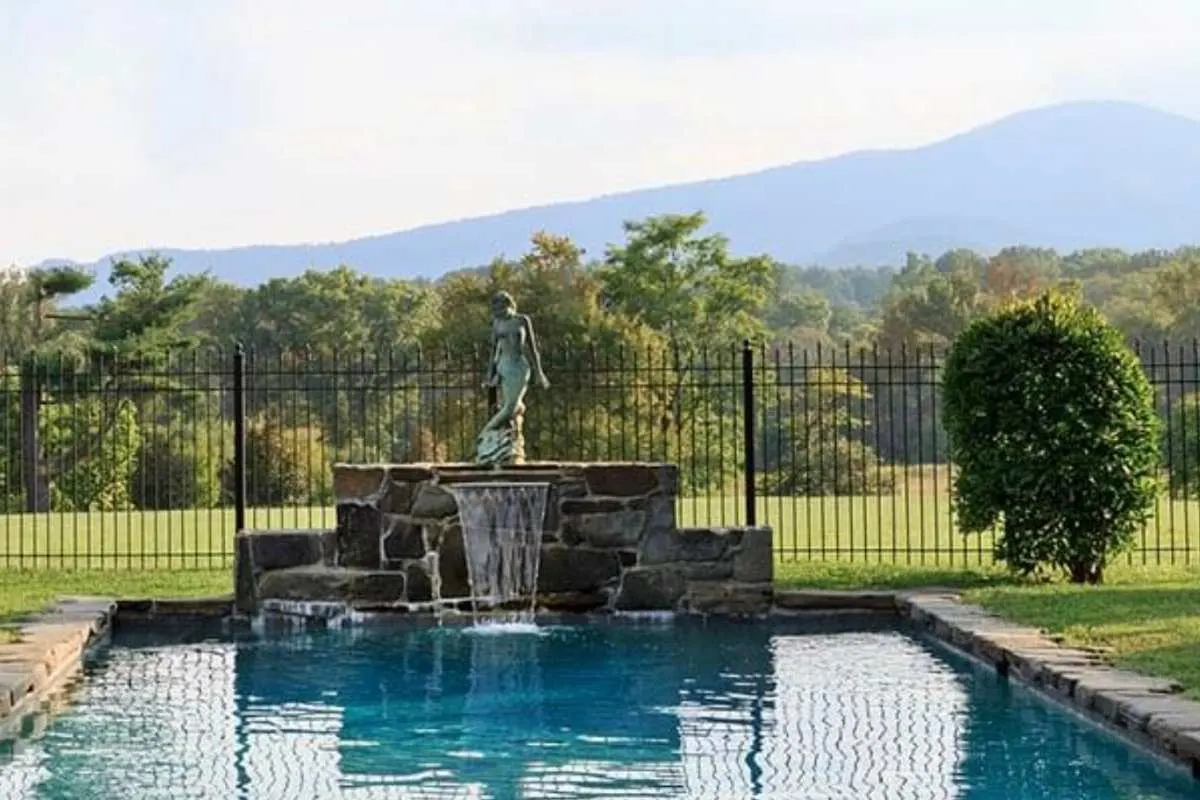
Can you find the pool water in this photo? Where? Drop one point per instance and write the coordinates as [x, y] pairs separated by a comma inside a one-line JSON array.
[[849, 709]]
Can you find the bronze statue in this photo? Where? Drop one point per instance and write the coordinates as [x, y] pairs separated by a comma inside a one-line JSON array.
[[514, 360]]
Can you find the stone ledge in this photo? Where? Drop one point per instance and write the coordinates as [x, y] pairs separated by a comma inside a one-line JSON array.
[[1147, 711], [823, 600], [50, 648], [152, 608]]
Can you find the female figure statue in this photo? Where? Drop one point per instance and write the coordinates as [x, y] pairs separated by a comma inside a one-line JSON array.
[[515, 358]]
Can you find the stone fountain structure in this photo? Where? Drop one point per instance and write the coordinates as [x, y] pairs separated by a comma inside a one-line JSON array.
[[504, 533]]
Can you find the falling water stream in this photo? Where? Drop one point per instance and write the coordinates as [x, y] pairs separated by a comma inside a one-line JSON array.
[[502, 536]]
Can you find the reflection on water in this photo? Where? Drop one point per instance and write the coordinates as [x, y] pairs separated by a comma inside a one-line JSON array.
[[616, 710]]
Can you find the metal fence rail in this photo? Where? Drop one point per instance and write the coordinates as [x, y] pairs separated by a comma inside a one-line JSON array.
[[155, 464]]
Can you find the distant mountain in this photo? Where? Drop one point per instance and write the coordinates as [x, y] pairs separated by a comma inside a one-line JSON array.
[[1066, 176]]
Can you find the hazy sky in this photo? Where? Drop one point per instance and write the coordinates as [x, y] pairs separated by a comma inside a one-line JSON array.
[[128, 123]]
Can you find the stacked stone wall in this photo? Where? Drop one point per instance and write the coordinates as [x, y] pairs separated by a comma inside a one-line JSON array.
[[610, 540]]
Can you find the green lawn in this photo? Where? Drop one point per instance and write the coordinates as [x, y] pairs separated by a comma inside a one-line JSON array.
[[1150, 626], [25, 591], [913, 527]]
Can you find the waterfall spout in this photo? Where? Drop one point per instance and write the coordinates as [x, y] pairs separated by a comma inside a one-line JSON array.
[[502, 535]]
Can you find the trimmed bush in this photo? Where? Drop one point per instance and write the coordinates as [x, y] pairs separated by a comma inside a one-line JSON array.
[[1052, 425]]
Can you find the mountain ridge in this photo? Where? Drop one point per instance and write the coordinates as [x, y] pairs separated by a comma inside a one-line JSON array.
[[1092, 173]]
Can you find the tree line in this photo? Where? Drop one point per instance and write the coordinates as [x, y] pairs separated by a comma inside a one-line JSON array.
[[105, 406]]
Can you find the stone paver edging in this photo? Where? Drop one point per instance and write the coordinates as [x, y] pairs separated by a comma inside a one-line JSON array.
[[49, 649], [1148, 711]]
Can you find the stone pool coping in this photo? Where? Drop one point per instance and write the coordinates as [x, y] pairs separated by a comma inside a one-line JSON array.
[[1149, 712], [49, 650]]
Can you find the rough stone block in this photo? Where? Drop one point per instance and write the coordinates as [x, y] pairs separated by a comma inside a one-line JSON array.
[[660, 514], [728, 599], [706, 570], [434, 502], [359, 528], [684, 544], [245, 581], [572, 602], [821, 600], [591, 505], [323, 585], [352, 482], [452, 562], [650, 589], [1165, 728], [576, 569], [617, 528], [754, 559], [397, 498], [319, 585], [622, 480], [410, 473], [403, 539], [418, 585], [1187, 747], [286, 548]]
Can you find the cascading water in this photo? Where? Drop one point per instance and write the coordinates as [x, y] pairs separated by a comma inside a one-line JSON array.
[[502, 537]]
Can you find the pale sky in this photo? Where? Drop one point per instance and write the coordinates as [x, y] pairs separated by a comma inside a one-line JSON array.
[[210, 123]]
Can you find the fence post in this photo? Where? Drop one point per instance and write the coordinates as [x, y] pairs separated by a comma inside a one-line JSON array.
[[239, 437], [748, 429]]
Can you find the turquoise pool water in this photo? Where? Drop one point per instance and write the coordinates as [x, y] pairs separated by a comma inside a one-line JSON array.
[[849, 709]]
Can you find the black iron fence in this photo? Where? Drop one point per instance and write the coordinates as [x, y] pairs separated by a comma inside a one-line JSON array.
[[155, 463]]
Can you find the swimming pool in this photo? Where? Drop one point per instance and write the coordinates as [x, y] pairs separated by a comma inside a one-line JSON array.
[[848, 707]]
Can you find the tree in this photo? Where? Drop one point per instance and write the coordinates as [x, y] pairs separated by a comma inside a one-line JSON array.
[[44, 348], [1181, 446], [147, 315], [283, 465], [689, 289], [179, 467], [813, 438], [687, 286], [103, 376], [592, 411], [1052, 425]]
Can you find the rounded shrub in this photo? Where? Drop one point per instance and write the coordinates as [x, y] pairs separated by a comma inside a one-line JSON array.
[[1052, 426]]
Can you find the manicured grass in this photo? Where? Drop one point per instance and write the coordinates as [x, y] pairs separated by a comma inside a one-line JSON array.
[[1149, 626], [26, 591], [912, 528]]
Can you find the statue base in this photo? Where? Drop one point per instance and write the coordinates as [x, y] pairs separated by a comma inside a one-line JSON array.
[[501, 446]]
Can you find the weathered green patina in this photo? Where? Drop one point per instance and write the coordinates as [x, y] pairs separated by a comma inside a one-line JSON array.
[[514, 361]]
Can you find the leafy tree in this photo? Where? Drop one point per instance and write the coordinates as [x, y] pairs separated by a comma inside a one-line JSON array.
[[1052, 425], [147, 315], [178, 468], [688, 288], [685, 285], [593, 410], [45, 348], [283, 465], [91, 472], [1181, 446], [814, 438]]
